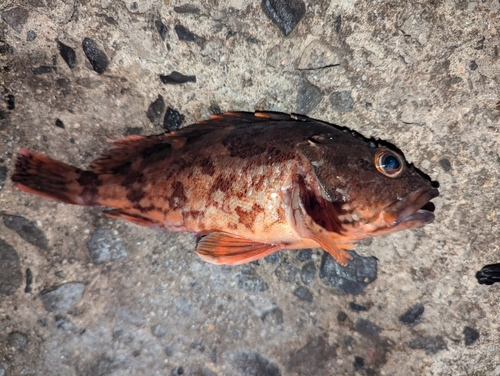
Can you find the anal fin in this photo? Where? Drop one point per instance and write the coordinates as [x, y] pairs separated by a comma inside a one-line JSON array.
[[135, 218], [224, 248]]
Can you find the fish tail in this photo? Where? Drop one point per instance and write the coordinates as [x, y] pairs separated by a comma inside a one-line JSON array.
[[40, 175]]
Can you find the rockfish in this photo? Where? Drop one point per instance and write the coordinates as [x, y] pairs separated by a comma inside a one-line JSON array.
[[248, 185]]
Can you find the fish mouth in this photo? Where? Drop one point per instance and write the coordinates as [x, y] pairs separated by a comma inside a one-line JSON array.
[[412, 211]]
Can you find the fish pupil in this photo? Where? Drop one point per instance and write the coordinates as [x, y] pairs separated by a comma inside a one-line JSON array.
[[390, 163]]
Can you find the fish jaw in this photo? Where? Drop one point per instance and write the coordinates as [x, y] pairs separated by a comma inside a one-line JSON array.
[[415, 210]]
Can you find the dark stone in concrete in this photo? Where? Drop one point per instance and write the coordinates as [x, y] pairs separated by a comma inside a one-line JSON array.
[[11, 101], [97, 58], [353, 278], [357, 307], [159, 330], [68, 54], [173, 120], [251, 363], [16, 18], [342, 316], [273, 258], [105, 247], [489, 274], [187, 8], [342, 101], [64, 323], [359, 362], [59, 123], [44, 69], [304, 254], [184, 34], [315, 354], [155, 111], [162, 29], [63, 297], [308, 272], [104, 365], [30, 36], [284, 14], [3, 176], [249, 280], [413, 315], [273, 316], [431, 344], [29, 281], [178, 371], [445, 164], [201, 371], [473, 65], [176, 78], [18, 340], [303, 293], [308, 97], [286, 272], [367, 328], [471, 335], [26, 230]]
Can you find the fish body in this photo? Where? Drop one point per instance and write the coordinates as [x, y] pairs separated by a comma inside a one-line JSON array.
[[248, 184]]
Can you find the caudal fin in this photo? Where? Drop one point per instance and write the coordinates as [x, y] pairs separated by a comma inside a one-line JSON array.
[[40, 175]]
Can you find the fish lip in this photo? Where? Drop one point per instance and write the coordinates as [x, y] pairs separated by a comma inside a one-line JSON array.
[[411, 208]]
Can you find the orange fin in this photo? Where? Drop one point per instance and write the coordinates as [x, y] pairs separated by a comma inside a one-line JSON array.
[[135, 218], [40, 175], [317, 219], [132, 148], [224, 248]]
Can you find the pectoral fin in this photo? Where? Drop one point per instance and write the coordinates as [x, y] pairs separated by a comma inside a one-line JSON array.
[[316, 219], [223, 248]]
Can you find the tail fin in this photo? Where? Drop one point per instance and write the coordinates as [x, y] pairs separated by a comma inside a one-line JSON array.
[[43, 176]]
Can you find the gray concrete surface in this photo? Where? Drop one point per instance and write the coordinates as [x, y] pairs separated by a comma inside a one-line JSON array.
[[85, 295]]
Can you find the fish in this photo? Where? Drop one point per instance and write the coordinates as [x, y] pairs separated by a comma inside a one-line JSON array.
[[247, 185]]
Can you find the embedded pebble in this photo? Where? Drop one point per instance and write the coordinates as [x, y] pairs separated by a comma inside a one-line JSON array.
[[187, 8], [44, 69], [16, 18], [473, 65], [272, 316], [11, 101], [178, 371], [314, 355], [97, 58], [471, 335], [18, 340], [173, 120], [30, 36], [184, 34], [431, 344], [59, 123], [176, 78], [63, 297], [3, 176], [251, 363], [286, 272], [284, 14], [308, 97], [105, 247], [341, 101], [11, 276], [159, 330], [155, 111], [445, 164], [161, 28], [249, 280], [273, 258], [303, 293], [357, 307], [353, 278], [308, 272], [68, 54], [104, 365], [29, 281], [367, 328], [64, 323], [27, 230], [412, 315], [304, 254]]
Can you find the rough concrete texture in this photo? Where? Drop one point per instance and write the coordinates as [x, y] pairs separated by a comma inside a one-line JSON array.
[[424, 75]]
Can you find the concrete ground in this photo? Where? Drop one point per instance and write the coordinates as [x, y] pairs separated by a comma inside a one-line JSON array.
[[81, 294]]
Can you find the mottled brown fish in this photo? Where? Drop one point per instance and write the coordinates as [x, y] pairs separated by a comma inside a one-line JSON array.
[[250, 184]]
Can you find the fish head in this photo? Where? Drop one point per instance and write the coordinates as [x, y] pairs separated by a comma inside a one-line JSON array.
[[372, 187]]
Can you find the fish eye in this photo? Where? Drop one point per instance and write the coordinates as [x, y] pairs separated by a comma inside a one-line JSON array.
[[388, 163]]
